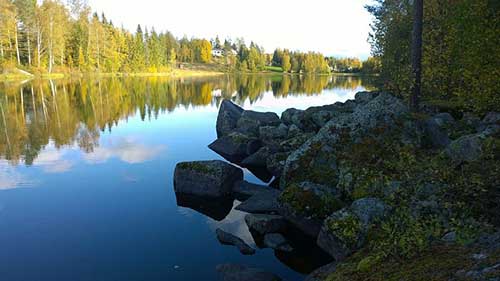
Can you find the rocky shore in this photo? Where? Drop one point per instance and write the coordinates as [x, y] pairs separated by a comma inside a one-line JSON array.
[[371, 183]]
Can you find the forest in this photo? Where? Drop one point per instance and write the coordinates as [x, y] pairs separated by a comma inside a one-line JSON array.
[[461, 50], [57, 37]]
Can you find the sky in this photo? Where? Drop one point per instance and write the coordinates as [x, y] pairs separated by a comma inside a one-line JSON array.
[[332, 27]]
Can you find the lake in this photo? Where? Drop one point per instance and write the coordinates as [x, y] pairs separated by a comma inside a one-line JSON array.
[[86, 176]]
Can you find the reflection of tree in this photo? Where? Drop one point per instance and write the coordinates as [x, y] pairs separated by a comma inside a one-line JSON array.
[[67, 112]]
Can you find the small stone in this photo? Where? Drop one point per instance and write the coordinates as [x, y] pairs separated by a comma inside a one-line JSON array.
[[230, 239], [276, 241]]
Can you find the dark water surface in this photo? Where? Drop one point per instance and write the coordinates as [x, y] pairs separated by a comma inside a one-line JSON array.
[[86, 171]]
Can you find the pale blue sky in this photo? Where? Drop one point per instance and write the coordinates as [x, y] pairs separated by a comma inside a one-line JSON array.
[[333, 27]]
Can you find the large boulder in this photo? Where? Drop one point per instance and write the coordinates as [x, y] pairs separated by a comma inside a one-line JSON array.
[[492, 118], [230, 239], [258, 159], [235, 272], [233, 147], [443, 119], [317, 156], [293, 116], [229, 114], [206, 178], [345, 231], [276, 162], [263, 223], [273, 133], [465, 149], [250, 121], [434, 136]]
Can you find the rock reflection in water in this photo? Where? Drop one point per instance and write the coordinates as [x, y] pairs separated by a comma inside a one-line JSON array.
[[215, 208]]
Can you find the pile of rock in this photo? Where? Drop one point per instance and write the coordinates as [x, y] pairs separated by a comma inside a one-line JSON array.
[[302, 151]]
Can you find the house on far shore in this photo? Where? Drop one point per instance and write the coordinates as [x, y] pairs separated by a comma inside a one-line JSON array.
[[217, 52]]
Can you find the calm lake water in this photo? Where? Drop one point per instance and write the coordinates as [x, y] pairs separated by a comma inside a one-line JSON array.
[[86, 176]]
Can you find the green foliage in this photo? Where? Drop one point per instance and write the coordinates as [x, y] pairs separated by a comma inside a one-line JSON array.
[[307, 203], [460, 51], [347, 228]]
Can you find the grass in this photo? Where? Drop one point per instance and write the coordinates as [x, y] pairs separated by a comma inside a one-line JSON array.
[[274, 68], [175, 73]]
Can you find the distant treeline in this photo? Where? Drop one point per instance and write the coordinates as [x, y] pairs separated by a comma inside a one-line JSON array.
[[461, 50], [49, 36], [315, 62]]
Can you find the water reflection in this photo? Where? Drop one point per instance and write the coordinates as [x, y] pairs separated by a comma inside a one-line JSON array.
[[59, 113], [125, 149]]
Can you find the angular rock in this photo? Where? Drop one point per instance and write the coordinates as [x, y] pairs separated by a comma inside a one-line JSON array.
[[250, 121], [434, 137], [369, 210], [308, 226], [277, 242], [229, 114], [276, 162], [492, 118], [357, 219], [331, 238], [295, 142], [465, 149], [293, 131], [261, 203], [318, 153], [273, 133], [443, 119], [293, 116], [263, 223], [232, 147], [206, 178], [364, 97], [235, 272], [230, 239], [258, 159], [243, 190]]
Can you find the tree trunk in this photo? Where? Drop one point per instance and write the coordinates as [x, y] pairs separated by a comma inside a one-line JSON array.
[[17, 47], [29, 46], [418, 8]]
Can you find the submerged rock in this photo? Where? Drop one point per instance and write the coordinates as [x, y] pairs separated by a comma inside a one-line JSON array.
[[235, 272], [230, 239], [243, 190], [277, 242], [229, 114], [263, 223], [206, 178], [261, 203]]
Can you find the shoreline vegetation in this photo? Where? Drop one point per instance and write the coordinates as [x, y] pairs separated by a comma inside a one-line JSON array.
[[21, 75]]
